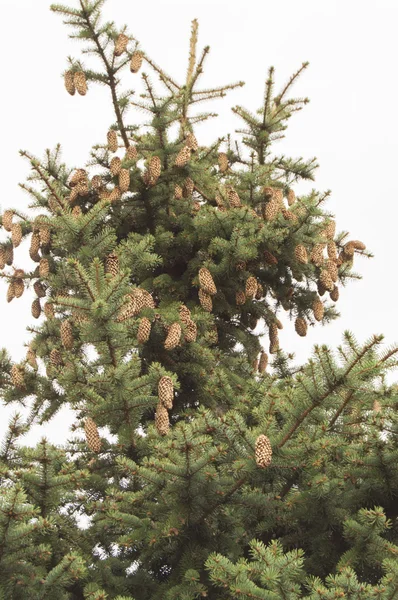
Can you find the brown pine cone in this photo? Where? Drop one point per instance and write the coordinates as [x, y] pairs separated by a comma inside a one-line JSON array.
[[291, 197], [301, 254], [92, 436], [223, 162], [112, 264], [17, 377], [205, 300], [185, 314], [317, 254], [332, 269], [36, 308], [44, 236], [173, 336], [66, 333], [234, 200], [144, 330], [19, 287], [2, 259], [112, 140], [7, 219], [69, 82], [39, 289], [16, 234], [188, 188], [44, 267], [263, 452], [240, 298], [271, 209], [332, 250], [124, 180], [334, 294], [178, 194], [191, 331], [300, 326], [154, 170], [191, 142], [270, 259], [115, 166], [80, 82], [263, 362], [206, 281], [56, 358], [136, 61], [162, 421], [260, 291], [318, 309], [251, 287], [121, 44], [9, 255], [183, 157], [166, 391], [326, 280], [11, 291], [31, 358], [330, 230], [131, 153]]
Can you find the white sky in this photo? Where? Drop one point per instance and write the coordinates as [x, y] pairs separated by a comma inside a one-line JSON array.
[[350, 125]]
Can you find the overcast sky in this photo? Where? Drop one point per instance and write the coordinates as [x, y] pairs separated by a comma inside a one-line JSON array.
[[350, 125]]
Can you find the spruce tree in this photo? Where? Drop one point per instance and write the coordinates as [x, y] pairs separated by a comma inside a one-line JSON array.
[[204, 464]]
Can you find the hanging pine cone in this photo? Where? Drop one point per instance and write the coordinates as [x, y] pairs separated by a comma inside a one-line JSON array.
[[79, 176], [115, 166], [44, 236], [173, 336], [31, 358], [82, 188], [288, 215], [291, 197], [260, 291], [11, 291], [2, 259], [206, 281], [136, 61], [326, 280], [92, 436], [144, 330], [55, 358], [112, 140], [188, 188], [301, 254], [162, 421], [166, 391], [53, 204], [358, 245], [36, 308], [9, 255], [96, 182], [18, 287], [191, 142], [263, 452], [112, 264], [240, 298], [271, 209], [69, 82], [154, 169], [185, 314], [131, 153], [255, 364], [233, 198], [80, 82], [332, 269], [300, 326], [273, 338], [7, 219], [115, 194], [191, 331], [269, 258], [263, 362], [44, 267], [66, 332], [321, 288], [317, 254], [16, 234], [332, 251], [17, 377], [334, 294], [205, 300], [124, 180], [251, 287], [183, 157], [49, 310], [223, 162], [318, 309], [330, 230], [178, 194], [121, 44]]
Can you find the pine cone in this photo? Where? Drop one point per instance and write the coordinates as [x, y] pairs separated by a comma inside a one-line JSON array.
[[79, 176], [326, 280], [191, 142], [332, 251], [234, 200], [301, 326], [2, 259], [124, 180], [183, 157], [357, 245], [11, 291], [17, 377], [92, 436], [31, 358], [66, 332], [263, 362], [317, 254], [44, 268], [332, 269], [318, 309], [270, 259], [55, 358], [288, 215], [112, 140], [240, 298], [291, 197], [271, 209], [301, 254], [44, 236], [178, 194], [330, 230], [131, 153], [144, 330], [166, 391], [154, 169], [136, 61], [162, 421], [112, 264], [7, 219], [321, 288], [334, 294], [188, 188], [115, 165], [273, 338], [115, 194], [18, 287], [121, 44], [173, 336], [251, 287], [185, 314], [206, 281], [96, 182], [9, 255], [263, 451], [191, 331], [260, 291], [16, 234], [205, 300], [80, 82], [223, 162], [69, 82], [36, 308], [49, 310]]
